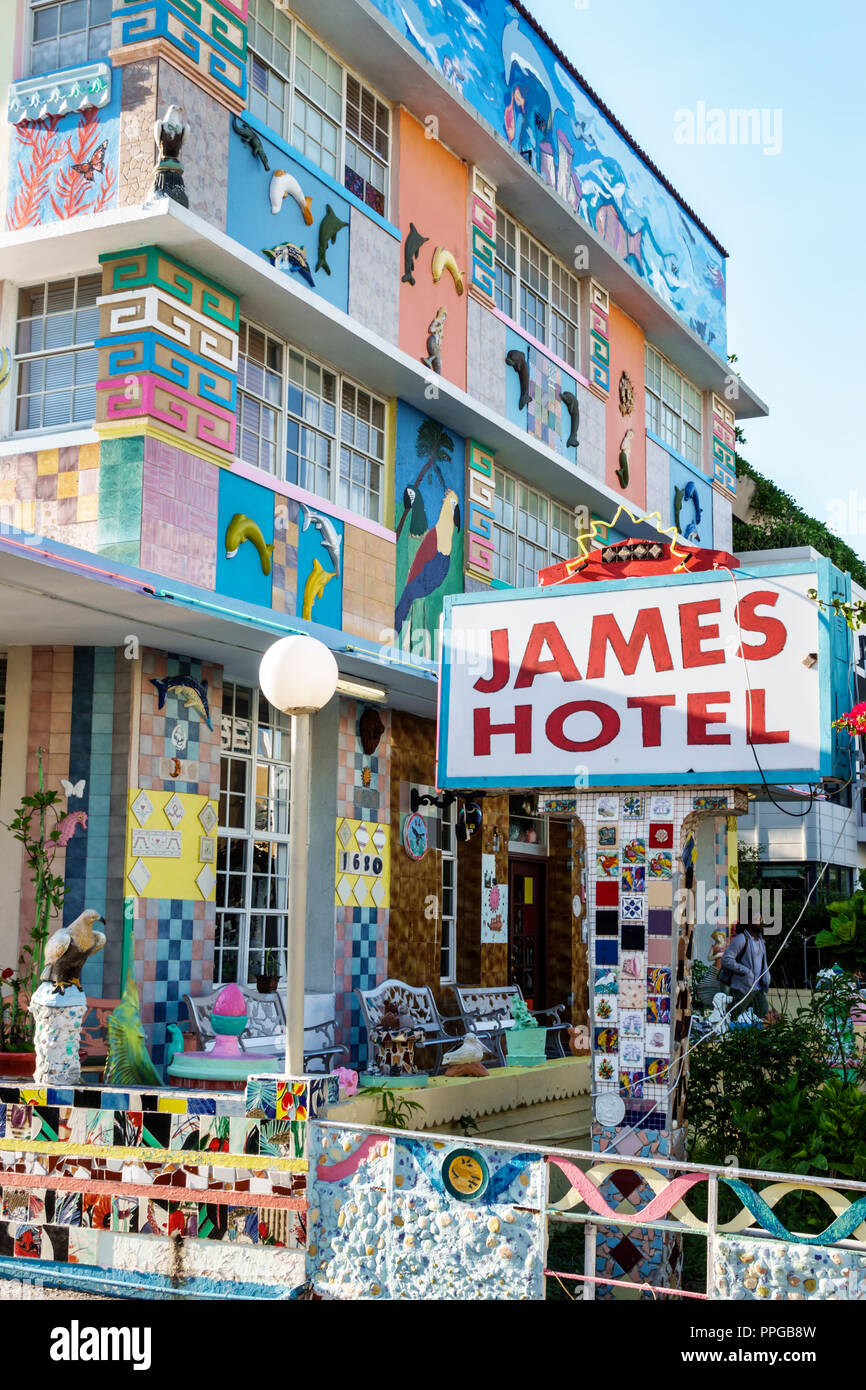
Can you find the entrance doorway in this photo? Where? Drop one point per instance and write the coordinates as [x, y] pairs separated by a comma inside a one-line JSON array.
[[527, 921]]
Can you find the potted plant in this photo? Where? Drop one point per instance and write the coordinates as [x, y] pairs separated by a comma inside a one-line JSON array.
[[268, 981], [42, 826]]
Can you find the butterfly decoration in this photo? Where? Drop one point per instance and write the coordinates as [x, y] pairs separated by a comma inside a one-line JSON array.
[[95, 164], [73, 788]]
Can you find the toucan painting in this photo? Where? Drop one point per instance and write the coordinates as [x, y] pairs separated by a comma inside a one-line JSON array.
[[433, 556]]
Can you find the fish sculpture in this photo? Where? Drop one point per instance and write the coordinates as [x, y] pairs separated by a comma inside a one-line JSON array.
[[572, 405], [252, 141], [285, 185], [517, 359], [193, 693], [414, 242], [331, 539], [295, 257], [445, 260], [241, 528], [682, 495], [314, 587], [329, 229], [433, 360], [624, 456]]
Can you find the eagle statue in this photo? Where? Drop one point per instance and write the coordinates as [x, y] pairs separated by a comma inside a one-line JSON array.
[[169, 135], [69, 948]]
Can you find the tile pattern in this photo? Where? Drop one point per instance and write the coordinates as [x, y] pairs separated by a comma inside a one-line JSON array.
[[361, 945], [285, 557], [374, 280], [369, 577], [180, 502], [53, 493]]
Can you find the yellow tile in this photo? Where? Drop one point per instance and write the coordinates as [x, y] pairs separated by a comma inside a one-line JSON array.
[[48, 461], [88, 456], [67, 485], [7, 490], [176, 1105], [88, 507]]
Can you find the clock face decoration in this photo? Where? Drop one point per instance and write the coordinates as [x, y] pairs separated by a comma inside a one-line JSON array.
[[465, 1175], [415, 836]]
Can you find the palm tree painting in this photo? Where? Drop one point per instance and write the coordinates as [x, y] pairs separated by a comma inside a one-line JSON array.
[[428, 523]]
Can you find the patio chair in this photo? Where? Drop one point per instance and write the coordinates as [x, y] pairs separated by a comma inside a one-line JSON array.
[[486, 1010], [418, 1002], [265, 1032]]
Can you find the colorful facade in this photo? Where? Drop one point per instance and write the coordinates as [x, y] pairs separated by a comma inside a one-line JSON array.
[[379, 353]]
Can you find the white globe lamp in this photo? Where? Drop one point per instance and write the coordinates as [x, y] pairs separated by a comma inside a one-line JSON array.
[[298, 675]]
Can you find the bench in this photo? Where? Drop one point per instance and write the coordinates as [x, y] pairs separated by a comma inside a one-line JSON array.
[[486, 1010], [266, 1028], [418, 1004]]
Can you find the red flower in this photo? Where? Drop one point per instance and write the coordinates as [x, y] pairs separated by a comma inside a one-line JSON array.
[[7, 973]]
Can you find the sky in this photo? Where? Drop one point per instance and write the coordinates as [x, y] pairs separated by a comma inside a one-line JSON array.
[[793, 222]]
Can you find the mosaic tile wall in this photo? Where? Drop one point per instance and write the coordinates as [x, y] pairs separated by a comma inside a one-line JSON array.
[[361, 945], [285, 557], [746, 1268], [174, 939]]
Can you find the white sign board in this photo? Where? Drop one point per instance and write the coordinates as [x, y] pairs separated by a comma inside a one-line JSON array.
[[637, 682]]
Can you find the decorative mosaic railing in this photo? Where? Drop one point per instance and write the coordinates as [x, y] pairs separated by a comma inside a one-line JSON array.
[[207, 39], [168, 353]]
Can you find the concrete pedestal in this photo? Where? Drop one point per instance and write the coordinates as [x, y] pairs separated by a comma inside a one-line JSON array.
[[58, 1034]]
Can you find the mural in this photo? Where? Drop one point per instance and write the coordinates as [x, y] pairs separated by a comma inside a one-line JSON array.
[[320, 567], [501, 66], [63, 165], [429, 483]]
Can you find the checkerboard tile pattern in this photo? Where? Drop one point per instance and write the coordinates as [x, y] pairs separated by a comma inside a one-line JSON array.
[[53, 493], [361, 947], [285, 556], [174, 949], [200, 757], [179, 500]]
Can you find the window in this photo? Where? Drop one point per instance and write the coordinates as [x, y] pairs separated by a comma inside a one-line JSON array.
[[312, 438], [673, 406], [530, 532], [535, 290], [305, 94], [253, 843], [67, 32], [56, 359], [260, 397], [526, 828], [448, 915]]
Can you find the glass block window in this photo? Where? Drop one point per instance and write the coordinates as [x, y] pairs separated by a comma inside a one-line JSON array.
[[530, 530], [535, 290], [260, 397], [55, 357], [67, 32], [253, 837], [673, 407]]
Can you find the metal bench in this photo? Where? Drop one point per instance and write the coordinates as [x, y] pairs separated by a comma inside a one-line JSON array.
[[418, 1003], [486, 1010], [266, 1028]]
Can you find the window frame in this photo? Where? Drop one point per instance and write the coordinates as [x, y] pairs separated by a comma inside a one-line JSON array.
[[448, 921], [660, 377], [296, 94], [531, 298], [246, 392], [509, 497], [250, 835], [33, 8], [45, 354]]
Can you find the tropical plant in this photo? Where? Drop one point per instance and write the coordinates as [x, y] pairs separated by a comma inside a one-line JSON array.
[[846, 936], [435, 445], [394, 1110]]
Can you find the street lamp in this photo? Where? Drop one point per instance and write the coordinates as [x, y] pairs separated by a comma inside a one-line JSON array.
[[298, 675]]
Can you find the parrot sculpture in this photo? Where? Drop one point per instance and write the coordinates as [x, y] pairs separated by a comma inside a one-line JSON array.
[[69, 948], [432, 558], [128, 1062]]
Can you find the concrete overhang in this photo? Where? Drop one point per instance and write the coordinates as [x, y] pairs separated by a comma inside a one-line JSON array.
[[396, 68], [54, 595], [296, 313]]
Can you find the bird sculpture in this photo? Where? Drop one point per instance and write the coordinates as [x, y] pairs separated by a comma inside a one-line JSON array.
[[169, 135], [465, 1060], [69, 948], [432, 558], [128, 1062]]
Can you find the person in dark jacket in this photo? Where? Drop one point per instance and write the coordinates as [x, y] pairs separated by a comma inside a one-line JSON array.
[[746, 960]]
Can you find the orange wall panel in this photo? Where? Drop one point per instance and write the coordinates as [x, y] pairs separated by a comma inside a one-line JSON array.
[[626, 355], [432, 188]]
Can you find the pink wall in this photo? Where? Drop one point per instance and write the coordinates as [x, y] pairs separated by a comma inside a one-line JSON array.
[[626, 354], [432, 192]]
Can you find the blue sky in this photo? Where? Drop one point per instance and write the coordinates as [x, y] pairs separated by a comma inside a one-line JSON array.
[[794, 223]]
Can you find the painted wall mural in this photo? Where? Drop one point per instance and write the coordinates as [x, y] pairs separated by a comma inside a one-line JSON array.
[[64, 164], [428, 509], [502, 68]]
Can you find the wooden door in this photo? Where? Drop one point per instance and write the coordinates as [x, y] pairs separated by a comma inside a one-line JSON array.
[[527, 930]]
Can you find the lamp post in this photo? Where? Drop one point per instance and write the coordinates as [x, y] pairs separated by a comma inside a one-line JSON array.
[[298, 675]]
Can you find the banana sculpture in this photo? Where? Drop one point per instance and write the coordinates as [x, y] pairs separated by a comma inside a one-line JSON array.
[[445, 260]]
